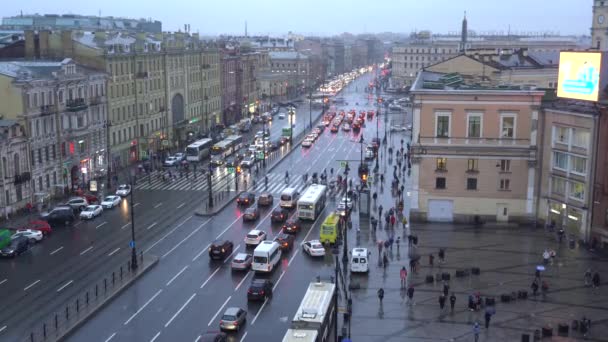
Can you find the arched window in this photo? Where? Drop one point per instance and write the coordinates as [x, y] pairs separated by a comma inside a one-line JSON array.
[[16, 164]]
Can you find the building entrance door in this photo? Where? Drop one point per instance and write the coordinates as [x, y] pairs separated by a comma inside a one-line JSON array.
[[502, 212]]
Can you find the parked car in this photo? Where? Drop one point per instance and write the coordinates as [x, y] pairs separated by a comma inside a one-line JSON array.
[[92, 211], [291, 227], [241, 262], [285, 241], [245, 198], [180, 156], [233, 319], [265, 199], [247, 162], [123, 190], [16, 247], [259, 289], [33, 235], [251, 214], [40, 225], [279, 215], [91, 198], [110, 202], [220, 249], [77, 203], [313, 248], [63, 214]]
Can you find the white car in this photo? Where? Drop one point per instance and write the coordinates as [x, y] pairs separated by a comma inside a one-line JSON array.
[[348, 201], [307, 142], [241, 261], [346, 127], [32, 235], [255, 237], [171, 161], [281, 115], [341, 209], [247, 162], [123, 190], [91, 211], [313, 248], [180, 156], [110, 202]]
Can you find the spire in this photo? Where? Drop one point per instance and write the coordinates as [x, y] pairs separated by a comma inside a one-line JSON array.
[[245, 28], [464, 34]]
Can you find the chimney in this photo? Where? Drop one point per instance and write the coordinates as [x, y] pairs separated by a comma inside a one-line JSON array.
[[30, 44], [67, 43]]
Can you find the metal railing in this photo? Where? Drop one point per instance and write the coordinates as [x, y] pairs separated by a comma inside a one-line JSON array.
[[474, 141]]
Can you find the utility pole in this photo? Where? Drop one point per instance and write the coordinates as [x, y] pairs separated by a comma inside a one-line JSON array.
[[210, 186], [132, 244], [336, 300]]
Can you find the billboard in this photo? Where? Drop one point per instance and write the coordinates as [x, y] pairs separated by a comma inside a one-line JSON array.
[[579, 75]]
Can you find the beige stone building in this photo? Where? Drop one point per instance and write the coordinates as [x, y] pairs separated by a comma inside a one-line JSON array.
[[14, 168], [474, 150]]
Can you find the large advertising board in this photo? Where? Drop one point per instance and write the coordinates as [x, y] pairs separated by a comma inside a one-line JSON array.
[[579, 75]]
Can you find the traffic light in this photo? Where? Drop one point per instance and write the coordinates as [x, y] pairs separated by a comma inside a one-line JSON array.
[[238, 169], [364, 178]]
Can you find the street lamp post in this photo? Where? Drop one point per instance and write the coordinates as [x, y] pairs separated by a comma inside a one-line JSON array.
[[346, 216], [291, 114], [133, 251], [108, 156], [377, 135], [210, 187], [264, 143]]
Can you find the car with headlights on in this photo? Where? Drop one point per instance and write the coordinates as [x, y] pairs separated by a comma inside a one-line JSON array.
[[220, 249], [313, 248], [123, 190], [291, 227]]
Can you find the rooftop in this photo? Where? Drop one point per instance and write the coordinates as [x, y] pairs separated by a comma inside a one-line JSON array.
[[428, 80], [286, 55], [573, 106], [39, 69]]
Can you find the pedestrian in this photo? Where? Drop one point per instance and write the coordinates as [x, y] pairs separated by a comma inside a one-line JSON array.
[[476, 331], [431, 259], [596, 280], [410, 238], [412, 265], [393, 220], [380, 211], [588, 277], [452, 301], [385, 260], [534, 287], [546, 256], [441, 301], [404, 222], [441, 255], [488, 316], [380, 246], [374, 223], [403, 275], [410, 293], [380, 294], [446, 288]]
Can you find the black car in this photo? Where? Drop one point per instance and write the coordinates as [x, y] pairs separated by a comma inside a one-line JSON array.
[[291, 227], [60, 215], [220, 249], [16, 247], [213, 337], [275, 145], [245, 198], [285, 241], [260, 289], [279, 215]]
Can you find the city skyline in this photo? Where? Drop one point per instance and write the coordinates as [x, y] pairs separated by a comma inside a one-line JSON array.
[[356, 18]]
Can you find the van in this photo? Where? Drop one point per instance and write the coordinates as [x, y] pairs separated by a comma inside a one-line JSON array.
[[266, 256], [329, 229], [289, 198], [359, 260], [5, 238]]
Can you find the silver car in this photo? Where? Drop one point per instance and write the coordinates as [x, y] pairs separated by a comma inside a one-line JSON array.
[[241, 262], [233, 319]]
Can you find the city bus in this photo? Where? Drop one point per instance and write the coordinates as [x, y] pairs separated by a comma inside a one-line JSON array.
[[228, 146], [329, 229], [198, 150], [314, 320], [312, 202]]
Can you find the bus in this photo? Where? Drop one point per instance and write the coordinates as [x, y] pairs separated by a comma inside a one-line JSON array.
[[198, 150], [266, 256], [312, 202], [237, 141], [227, 146], [329, 229], [314, 320]]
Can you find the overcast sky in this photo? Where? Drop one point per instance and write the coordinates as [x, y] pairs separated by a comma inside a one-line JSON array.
[[328, 17]]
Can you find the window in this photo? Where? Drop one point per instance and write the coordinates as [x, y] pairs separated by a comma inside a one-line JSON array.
[[577, 190], [560, 161], [442, 126], [558, 185], [580, 138], [472, 165], [505, 165], [441, 164], [471, 183], [46, 153], [578, 165], [440, 183], [474, 126], [505, 184], [507, 126], [561, 135]]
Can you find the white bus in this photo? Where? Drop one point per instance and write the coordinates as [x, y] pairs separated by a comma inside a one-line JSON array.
[[266, 256], [314, 319], [236, 140], [312, 202], [227, 146], [289, 198], [198, 150]]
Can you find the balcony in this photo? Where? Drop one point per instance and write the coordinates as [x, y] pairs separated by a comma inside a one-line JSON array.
[[22, 178], [95, 101], [76, 105], [47, 110], [141, 74], [475, 142]]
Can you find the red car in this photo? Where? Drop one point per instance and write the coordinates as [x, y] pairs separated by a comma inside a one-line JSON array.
[[42, 226]]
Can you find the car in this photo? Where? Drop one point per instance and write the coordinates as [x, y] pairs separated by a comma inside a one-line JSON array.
[[39, 225], [279, 215], [259, 289], [254, 237], [247, 162], [291, 227], [346, 127], [171, 161], [77, 203], [180, 156], [334, 129], [16, 247], [321, 128], [265, 199], [307, 142], [285, 241], [281, 116], [60, 215], [341, 209], [123, 190], [348, 201], [251, 214], [220, 249], [110, 202], [245, 198], [32, 235], [90, 198], [233, 161], [217, 160], [283, 140], [241, 262], [233, 319], [212, 336], [275, 145], [92, 211], [313, 248], [375, 143]]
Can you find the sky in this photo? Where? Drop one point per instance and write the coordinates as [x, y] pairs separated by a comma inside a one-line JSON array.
[[330, 17]]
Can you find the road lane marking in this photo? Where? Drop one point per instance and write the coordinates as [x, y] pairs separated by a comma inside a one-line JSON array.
[[177, 275], [242, 281], [3, 281], [169, 233], [136, 204], [126, 225], [184, 240], [222, 233], [86, 250], [293, 256], [158, 205], [201, 252], [143, 307], [211, 276], [244, 335], [218, 311], [180, 309], [101, 225], [278, 280], [78, 224], [155, 337], [3, 328], [57, 250], [114, 251], [181, 205], [30, 285], [152, 225], [231, 254], [257, 314], [111, 337], [64, 286]]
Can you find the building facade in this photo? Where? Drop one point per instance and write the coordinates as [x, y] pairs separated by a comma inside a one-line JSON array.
[[231, 87], [599, 25], [14, 168], [474, 151], [80, 22]]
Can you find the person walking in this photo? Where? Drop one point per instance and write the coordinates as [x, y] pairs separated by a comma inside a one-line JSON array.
[[412, 266], [446, 288], [385, 260], [380, 295], [488, 316], [452, 301], [431, 259], [403, 275], [476, 330], [404, 222], [534, 287], [596, 280], [441, 301], [588, 277], [410, 294], [441, 255], [380, 246], [410, 239], [380, 211], [393, 219]]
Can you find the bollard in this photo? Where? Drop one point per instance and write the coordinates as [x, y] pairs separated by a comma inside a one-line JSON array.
[[67, 313], [77, 304], [32, 337], [96, 292], [44, 330], [113, 278], [87, 298], [56, 322], [105, 284], [120, 272]]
